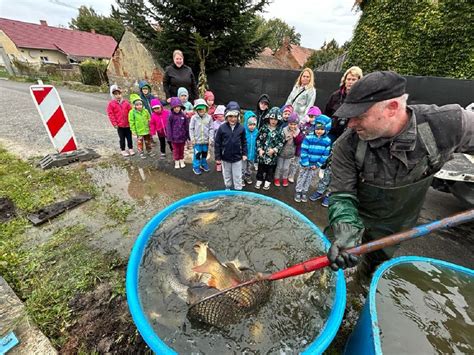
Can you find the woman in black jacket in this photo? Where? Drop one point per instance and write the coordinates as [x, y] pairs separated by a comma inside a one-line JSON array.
[[179, 75]]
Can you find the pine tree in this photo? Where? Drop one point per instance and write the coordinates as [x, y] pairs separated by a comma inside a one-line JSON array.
[[88, 20], [228, 29]]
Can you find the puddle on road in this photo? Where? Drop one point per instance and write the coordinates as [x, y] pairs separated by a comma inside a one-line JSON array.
[[141, 185]]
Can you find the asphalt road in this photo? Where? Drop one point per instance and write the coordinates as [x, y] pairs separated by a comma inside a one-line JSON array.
[[22, 133]]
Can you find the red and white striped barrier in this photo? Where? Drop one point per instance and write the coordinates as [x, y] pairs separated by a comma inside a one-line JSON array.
[[53, 115]]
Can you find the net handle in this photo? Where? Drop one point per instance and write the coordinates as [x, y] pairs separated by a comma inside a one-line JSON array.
[[393, 239]]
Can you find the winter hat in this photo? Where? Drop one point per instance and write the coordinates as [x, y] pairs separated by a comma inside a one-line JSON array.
[[324, 122], [293, 118], [274, 113], [155, 103], [252, 120], [288, 108], [135, 97], [220, 110], [175, 102], [200, 104], [232, 109], [183, 91], [208, 95], [314, 110], [114, 88]]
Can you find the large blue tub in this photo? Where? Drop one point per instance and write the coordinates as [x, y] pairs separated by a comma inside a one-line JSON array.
[[326, 335], [367, 335]]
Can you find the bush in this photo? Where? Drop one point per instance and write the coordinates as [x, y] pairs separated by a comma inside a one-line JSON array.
[[93, 72]]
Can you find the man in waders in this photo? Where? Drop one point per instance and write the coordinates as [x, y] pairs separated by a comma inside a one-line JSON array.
[[383, 165]]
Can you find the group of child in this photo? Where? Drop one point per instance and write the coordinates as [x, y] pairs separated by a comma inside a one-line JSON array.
[[275, 142]]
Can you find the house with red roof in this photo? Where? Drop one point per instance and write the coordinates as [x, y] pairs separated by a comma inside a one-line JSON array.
[[40, 43]]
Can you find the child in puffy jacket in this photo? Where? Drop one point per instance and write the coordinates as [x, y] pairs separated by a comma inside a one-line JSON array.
[[117, 110], [158, 121], [306, 126], [200, 133], [210, 101], [315, 151], [139, 120], [177, 131], [218, 118]]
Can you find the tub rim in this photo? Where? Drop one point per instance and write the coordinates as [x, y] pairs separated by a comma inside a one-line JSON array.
[[327, 333]]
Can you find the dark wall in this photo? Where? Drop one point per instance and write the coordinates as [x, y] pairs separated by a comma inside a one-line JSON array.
[[245, 85]]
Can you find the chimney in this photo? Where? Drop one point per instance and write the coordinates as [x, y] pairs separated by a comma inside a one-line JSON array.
[[92, 30], [43, 23]]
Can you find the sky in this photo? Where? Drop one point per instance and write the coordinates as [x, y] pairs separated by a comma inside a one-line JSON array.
[[316, 20]]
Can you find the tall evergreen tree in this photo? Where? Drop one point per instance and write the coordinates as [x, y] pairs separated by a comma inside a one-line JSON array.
[[226, 29], [88, 20], [279, 31]]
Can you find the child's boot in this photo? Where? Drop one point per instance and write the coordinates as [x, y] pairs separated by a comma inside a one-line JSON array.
[[276, 182], [267, 184], [304, 198], [176, 164], [258, 184], [181, 163], [298, 196], [284, 182], [218, 167], [204, 165]]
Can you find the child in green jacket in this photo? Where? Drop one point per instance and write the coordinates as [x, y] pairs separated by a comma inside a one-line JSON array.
[[139, 120]]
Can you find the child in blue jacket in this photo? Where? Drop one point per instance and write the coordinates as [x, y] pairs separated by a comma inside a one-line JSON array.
[[315, 150], [251, 133]]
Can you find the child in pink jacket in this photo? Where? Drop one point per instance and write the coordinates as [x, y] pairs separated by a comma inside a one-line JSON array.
[[158, 121], [117, 110]]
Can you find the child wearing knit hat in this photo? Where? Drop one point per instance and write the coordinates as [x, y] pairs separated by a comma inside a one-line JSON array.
[[209, 97], [292, 145]]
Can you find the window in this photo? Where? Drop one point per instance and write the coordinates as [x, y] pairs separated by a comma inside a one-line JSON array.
[[44, 59]]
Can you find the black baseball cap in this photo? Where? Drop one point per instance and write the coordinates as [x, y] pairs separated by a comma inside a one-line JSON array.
[[372, 88]]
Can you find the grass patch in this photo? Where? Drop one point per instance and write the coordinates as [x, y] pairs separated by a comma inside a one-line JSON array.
[[47, 276], [118, 210]]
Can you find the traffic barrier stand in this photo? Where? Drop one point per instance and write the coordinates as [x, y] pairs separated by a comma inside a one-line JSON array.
[[58, 127]]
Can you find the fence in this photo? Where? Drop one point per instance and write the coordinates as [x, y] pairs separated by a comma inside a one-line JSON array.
[[245, 85]]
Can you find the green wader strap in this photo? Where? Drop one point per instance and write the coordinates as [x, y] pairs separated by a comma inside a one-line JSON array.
[[360, 154], [426, 136]]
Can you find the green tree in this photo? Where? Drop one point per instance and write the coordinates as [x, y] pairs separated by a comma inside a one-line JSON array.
[[88, 20], [328, 51], [423, 37], [278, 31], [226, 30]]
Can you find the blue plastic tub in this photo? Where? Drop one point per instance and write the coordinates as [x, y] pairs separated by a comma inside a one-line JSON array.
[[326, 335], [365, 338]]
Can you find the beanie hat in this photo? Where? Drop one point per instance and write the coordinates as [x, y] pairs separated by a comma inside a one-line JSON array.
[[252, 120], [288, 108], [183, 91], [314, 110], [293, 118], [220, 110], [134, 97], [114, 88], [232, 108], [155, 103], [208, 95], [200, 104], [274, 113], [175, 102]]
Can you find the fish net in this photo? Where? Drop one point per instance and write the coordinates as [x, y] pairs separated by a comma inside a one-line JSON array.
[[231, 305]]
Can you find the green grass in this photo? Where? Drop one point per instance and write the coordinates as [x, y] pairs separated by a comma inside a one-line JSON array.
[[47, 276]]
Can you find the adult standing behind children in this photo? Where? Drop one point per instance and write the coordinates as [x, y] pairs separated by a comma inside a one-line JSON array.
[[179, 75], [117, 110], [303, 95], [231, 147]]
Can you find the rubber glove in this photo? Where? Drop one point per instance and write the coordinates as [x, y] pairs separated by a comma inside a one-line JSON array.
[[347, 236]]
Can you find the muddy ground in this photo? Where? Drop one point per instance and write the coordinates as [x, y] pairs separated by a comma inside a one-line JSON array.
[[102, 322]]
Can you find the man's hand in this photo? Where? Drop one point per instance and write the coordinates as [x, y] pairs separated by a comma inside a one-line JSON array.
[[347, 236], [340, 259], [244, 157]]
